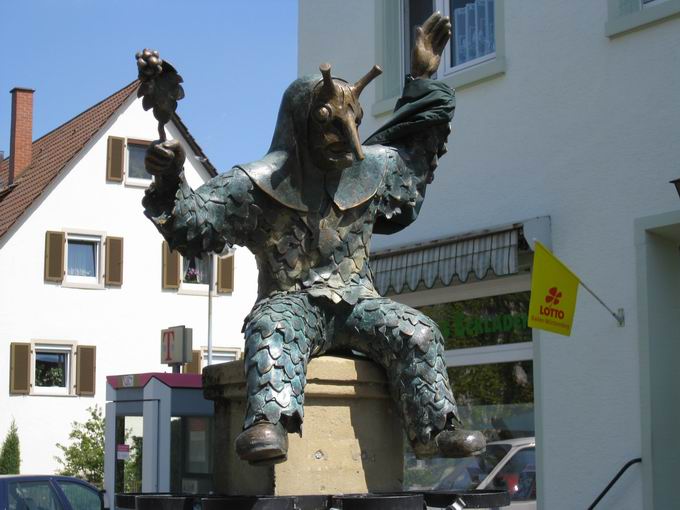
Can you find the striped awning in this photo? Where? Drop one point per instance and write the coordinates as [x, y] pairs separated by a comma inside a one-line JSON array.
[[408, 268]]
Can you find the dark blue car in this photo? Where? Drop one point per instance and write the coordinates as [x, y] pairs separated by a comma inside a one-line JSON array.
[[47, 492]]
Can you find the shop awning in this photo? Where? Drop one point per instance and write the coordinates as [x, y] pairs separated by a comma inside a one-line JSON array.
[[438, 262]]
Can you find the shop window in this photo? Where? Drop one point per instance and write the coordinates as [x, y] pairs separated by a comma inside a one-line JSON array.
[[489, 356]]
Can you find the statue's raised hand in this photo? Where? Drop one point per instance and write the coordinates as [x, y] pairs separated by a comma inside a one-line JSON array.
[[164, 159], [431, 38]]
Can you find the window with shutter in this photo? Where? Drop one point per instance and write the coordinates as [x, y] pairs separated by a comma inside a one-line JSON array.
[[114, 261], [115, 159], [20, 369], [54, 256], [225, 274], [86, 370], [194, 366], [171, 261]]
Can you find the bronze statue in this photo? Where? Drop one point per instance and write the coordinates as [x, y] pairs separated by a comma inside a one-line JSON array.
[[307, 211]]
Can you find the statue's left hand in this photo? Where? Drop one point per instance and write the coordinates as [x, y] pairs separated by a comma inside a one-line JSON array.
[[431, 38]]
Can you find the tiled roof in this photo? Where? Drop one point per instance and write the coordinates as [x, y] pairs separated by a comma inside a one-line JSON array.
[[54, 150]]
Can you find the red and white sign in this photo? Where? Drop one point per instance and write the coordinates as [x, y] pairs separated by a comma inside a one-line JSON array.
[[176, 345], [122, 451]]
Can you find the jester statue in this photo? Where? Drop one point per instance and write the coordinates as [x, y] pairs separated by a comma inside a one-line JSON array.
[[307, 211]]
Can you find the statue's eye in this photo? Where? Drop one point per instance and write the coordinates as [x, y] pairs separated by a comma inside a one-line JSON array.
[[322, 114]]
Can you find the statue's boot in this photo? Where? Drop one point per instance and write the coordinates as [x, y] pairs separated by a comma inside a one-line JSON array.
[[452, 443], [263, 444]]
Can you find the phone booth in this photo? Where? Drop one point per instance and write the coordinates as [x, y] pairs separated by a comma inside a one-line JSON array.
[[159, 435]]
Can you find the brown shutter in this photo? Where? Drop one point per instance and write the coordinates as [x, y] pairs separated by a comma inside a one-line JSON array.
[[19, 369], [171, 262], [225, 274], [115, 159], [194, 366], [54, 256], [114, 261], [86, 369]]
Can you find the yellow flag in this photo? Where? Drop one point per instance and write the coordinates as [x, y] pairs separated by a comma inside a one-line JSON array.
[[553, 293]]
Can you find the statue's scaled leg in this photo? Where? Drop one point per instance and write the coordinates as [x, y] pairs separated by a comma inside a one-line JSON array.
[[281, 332], [410, 347]]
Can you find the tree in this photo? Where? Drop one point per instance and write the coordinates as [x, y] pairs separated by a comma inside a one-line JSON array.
[[10, 458], [84, 456]]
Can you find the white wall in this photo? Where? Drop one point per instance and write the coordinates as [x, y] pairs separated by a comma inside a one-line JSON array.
[[582, 128], [124, 323]]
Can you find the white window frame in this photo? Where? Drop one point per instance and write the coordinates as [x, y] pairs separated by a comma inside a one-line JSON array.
[[134, 182], [217, 351], [458, 77], [65, 347], [445, 67], [625, 16], [85, 282], [197, 289]]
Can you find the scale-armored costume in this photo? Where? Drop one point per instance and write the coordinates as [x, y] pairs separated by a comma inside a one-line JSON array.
[[310, 232]]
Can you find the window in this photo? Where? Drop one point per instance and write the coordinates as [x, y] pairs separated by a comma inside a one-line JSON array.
[[76, 259], [473, 38], [52, 369], [196, 270], [136, 171], [518, 476], [474, 33], [199, 359], [32, 495], [475, 52], [83, 258], [81, 497], [623, 17], [489, 355]]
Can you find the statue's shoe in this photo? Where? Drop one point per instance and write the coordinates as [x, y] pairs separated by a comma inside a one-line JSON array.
[[263, 444], [455, 444]]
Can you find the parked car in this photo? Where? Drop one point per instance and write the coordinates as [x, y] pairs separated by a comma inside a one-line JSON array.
[[48, 492], [508, 465]]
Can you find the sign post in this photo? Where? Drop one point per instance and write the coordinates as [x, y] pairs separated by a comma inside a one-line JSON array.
[[176, 344]]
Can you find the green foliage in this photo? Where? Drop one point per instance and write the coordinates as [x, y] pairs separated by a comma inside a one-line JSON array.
[[10, 457], [84, 456]]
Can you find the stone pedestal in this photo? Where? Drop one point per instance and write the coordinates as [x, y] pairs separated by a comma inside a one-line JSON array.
[[352, 437]]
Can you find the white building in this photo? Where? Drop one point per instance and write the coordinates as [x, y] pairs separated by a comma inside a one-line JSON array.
[[567, 114], [87, 283]]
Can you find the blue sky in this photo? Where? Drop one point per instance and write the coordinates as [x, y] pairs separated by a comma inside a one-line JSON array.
[[236, 58]]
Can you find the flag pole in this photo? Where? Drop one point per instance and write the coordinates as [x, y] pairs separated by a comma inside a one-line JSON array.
[[620, 317]]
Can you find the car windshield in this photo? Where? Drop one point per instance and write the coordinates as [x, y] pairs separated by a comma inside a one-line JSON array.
[[469, 472]]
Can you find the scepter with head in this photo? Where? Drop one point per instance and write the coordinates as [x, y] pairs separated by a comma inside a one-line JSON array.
[[160, 87]]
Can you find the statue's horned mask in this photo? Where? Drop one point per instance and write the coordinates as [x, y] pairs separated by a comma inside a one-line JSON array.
[[337, 113]]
